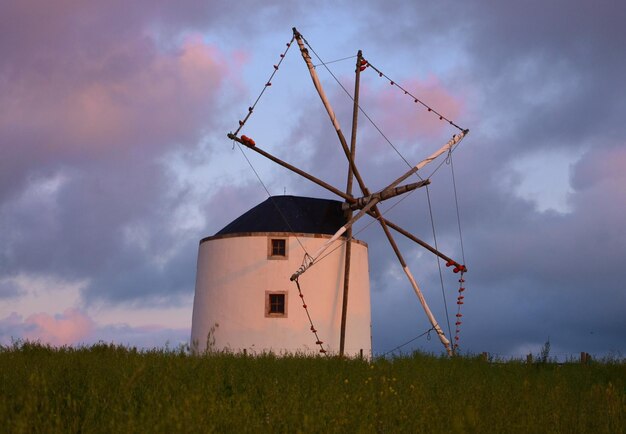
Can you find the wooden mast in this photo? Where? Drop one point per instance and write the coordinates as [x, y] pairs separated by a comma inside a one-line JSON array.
[[346, 271], [335, 122]]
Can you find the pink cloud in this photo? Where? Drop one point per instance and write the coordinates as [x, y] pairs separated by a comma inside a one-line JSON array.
[[158, 102], [70, 327], [404, 122], [153, 98], [90, 83], [74, 327], [603, 167], [599, 183], [398, 113]]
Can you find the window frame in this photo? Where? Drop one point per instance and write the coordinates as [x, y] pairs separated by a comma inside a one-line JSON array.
[[269, 314], [270, 248]]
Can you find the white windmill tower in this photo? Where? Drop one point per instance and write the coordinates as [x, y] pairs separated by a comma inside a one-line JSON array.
[[243, 283], [251, 284]]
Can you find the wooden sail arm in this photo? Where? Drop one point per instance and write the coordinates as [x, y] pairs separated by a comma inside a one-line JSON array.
[[385, 194], [431, 318], [329, 109], [449, 261], [294, 169], [445, 148]]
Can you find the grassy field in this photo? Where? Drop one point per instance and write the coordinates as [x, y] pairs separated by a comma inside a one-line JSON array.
[[105, 388]]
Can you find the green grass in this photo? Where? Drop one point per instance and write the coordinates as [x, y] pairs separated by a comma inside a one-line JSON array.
[[105, 388]]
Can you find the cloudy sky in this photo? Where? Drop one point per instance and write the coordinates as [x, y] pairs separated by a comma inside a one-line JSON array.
[[114, 159]]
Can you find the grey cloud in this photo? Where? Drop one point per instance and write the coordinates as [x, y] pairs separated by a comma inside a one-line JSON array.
[[9, 289], [541, 80], [94, 106], [531, 79]]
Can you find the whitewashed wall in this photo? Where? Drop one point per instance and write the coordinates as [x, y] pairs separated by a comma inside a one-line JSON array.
[[234, 273]]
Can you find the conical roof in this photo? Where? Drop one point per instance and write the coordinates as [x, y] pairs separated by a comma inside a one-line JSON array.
[[290, 214]]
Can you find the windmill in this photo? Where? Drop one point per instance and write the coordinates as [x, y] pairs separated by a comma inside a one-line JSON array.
[[356, 207]]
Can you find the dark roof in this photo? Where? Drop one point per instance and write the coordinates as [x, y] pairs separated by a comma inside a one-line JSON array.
[[290, 214]]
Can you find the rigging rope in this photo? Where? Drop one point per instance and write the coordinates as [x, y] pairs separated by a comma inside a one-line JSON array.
[[427, 333], [270, 197], [318, 341], [268, 83], [250, 141], [415, 99], [461, 296], [334, 61], [459, 315], [447, 159], [443, 292], [456, 201]]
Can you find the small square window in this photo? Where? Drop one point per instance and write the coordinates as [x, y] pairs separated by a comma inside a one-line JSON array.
[[276, 304], [277, 248]]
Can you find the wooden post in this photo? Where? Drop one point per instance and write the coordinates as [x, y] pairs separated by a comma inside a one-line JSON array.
[[585, 357], [485, 356], [355, 113], [245, 352], [529, 358], [351, 163], [361, 353], [327, 106]]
